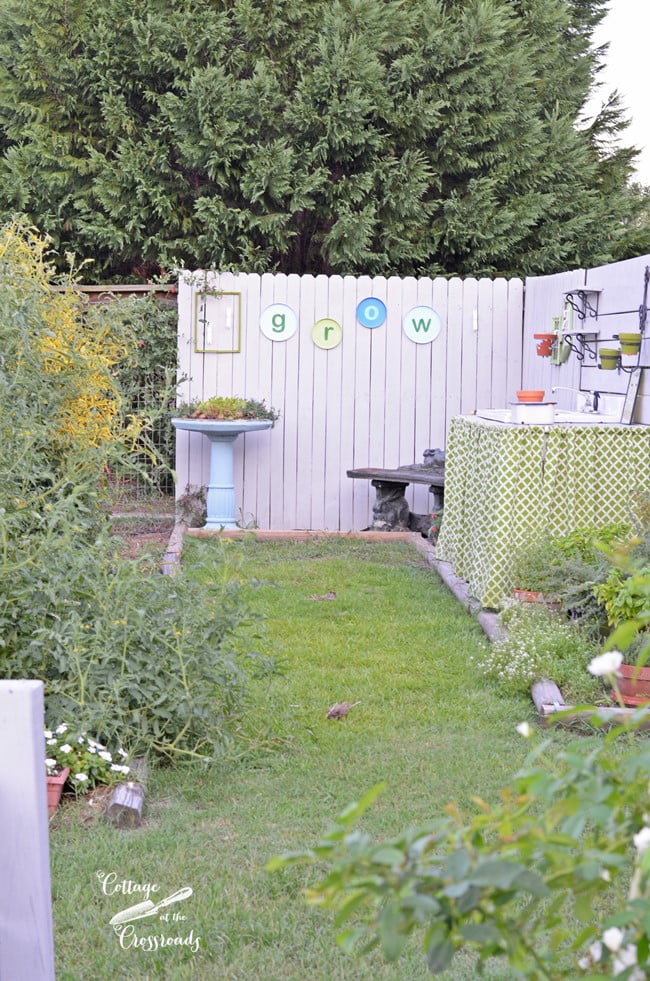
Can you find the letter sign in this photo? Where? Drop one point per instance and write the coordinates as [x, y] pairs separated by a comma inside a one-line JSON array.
[[422, 325], [278, 322], [371, 312], [326, 333]]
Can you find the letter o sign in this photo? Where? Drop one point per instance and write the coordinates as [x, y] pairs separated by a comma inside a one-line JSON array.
[[371, 312], [278, 322]]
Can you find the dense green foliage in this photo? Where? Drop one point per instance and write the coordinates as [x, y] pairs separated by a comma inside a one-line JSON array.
[[347, 136], [146, 660]]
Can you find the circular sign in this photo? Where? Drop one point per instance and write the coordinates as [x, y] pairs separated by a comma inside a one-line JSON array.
[[371, 312], [278, 322], [422, 325], [326, 333]]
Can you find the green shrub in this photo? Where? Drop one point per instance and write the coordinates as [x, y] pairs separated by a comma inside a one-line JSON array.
[[138, 659]]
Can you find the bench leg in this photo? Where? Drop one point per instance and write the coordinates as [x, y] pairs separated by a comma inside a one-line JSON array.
[[391, 510]]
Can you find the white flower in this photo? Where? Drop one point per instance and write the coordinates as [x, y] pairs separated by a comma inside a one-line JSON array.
[[613, 938], [81, 777], [47, 733], [605, 875], [50, 762], [524, 730], [51, 742], [604, 664], [626, 958], [596, 951], [61, 729], [116, 768], [91, 749], [106, 756], [81, 740], [642, 840], [66, 748], [122, 754]]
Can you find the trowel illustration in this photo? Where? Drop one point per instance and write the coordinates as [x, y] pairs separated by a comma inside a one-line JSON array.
[[148, 908]]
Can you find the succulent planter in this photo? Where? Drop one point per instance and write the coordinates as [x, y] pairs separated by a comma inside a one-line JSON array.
[[630, 343], [545, 345], [634, 684], [609, 358], [55, 786]]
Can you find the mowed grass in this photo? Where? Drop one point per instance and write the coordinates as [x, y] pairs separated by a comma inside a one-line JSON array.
[[391, 638]]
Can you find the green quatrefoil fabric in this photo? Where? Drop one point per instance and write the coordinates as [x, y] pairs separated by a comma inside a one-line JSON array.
[[507, 485]]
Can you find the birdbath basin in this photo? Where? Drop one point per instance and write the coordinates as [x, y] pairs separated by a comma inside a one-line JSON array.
[[222, 434]]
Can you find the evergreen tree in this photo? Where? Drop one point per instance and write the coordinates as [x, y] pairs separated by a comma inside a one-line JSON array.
[[381, 136]]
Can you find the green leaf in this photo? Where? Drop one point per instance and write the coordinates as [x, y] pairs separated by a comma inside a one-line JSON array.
[[480, 933], [386, 855], [288, 858], [496, 872], [354, 811], [440, 956], [391, 922], [348, 940]]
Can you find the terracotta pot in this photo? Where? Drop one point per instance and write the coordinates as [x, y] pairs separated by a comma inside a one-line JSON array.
[[55, 789], [534, 596], [530, 395], [634, 684], [545, 346]]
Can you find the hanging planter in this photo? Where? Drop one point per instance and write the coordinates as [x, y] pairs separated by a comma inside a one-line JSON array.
[[630, 343], [608, 358], [545, 346]]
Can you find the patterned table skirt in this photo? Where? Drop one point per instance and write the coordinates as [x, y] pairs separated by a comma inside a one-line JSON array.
[[506, 486]]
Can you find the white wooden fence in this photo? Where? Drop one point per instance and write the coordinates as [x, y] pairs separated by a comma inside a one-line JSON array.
[[377, 399]]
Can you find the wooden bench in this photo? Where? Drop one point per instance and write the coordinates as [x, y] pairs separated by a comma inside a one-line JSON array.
[[391, 511]]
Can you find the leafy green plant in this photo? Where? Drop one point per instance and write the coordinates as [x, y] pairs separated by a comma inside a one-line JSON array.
[[624, 596], [536, 644], [228, 407], [89, 761], [532, 566]]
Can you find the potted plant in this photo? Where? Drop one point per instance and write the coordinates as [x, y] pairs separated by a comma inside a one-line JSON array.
[[227, 408], [625, 598], [79, 760], [608, 358], [532, 572], [545, 346], [630, 342]]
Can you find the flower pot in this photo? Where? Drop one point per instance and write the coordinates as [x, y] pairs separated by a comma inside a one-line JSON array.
[[609, 358], [545, 346], [535, 596], [530, 395], [634, 684], [55, 789], [630, 343]]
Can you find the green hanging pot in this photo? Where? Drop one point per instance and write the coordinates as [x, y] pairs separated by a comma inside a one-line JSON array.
[[630, 343], [609, 358]]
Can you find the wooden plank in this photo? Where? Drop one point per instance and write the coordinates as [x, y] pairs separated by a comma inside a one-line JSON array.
[[408, 449], [454, 365], [319, 412], [334, 471], [486, 339], [470, 330], [362, 375], [270, 450], [546, 692], [438, 380], [351, 330], [515, 339], [257, 460], [289, 408], [378, 369], [390, 291], [26, 944], [427, 358], [305, 401], [499, 395]]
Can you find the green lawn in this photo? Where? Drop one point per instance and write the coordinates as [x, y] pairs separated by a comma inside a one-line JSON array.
[[393, 639]]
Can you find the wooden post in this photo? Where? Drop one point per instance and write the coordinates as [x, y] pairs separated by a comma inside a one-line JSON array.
[[26, 941]]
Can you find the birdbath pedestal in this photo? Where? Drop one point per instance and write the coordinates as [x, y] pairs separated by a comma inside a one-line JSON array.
[[222, 434]]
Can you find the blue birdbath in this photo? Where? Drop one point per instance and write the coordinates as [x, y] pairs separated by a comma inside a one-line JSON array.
[[222, 434]]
